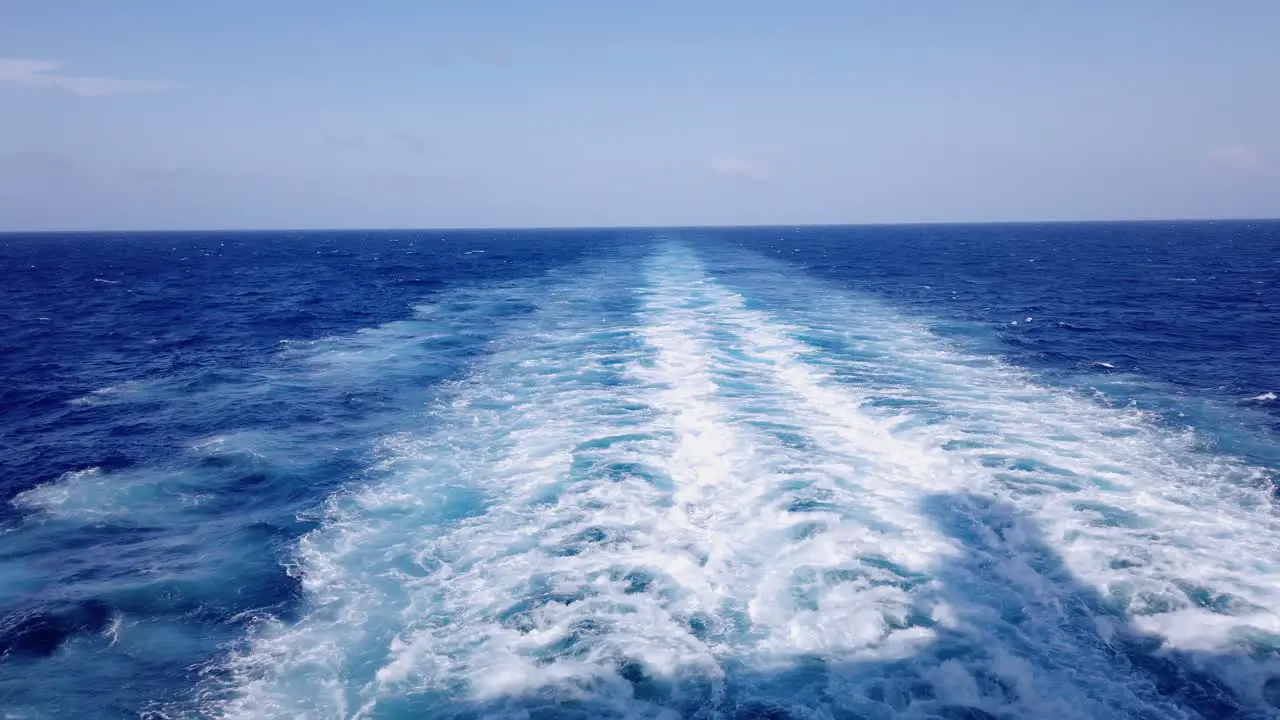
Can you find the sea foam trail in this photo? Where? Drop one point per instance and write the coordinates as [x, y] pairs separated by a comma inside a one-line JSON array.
[[628, 534], [677, 492]]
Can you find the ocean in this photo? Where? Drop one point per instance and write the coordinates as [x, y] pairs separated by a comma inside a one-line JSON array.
[[958, 471]]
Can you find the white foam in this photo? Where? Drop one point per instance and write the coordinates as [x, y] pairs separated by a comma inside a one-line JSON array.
[[91, 496], [823, 494], [78, 489], [153, 495], [109, 393]]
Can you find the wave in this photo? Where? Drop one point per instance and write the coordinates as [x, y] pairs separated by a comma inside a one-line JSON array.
[[109, 394]]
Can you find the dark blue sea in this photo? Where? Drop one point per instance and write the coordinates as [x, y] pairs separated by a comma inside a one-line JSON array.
[[957, 472]]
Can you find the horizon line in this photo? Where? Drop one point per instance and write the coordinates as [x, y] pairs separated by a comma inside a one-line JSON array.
[[699, 226]]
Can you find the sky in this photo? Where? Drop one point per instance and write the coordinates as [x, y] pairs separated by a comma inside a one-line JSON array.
[[154, 114]]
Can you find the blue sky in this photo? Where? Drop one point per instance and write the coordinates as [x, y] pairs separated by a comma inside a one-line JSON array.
[[284, 113]]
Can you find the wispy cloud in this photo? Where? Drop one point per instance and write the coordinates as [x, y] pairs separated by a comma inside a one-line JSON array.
[[340, 141], [735, 166], [47, 75], [398, 141], [472, 53], [1238, 156]]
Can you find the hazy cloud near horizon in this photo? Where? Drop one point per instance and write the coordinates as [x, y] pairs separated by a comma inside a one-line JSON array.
[[37, 74], [574, 113], [1238, 156]]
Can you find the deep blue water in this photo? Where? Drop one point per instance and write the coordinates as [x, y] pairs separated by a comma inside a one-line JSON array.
[[932, 471]]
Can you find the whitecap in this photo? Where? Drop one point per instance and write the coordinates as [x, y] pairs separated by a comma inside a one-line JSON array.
[[108, 393], [68, 489]]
